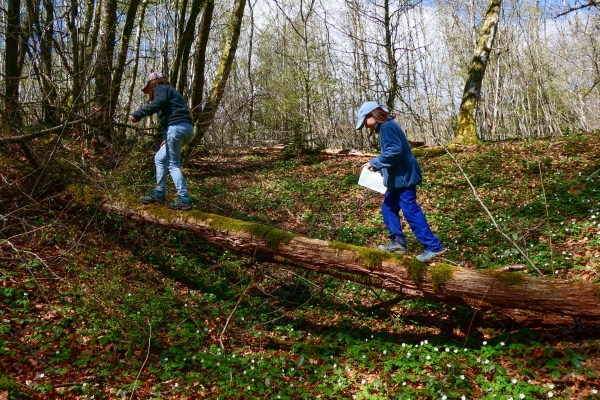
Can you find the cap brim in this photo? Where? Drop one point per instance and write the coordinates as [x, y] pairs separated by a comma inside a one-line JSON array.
[[360, 124]]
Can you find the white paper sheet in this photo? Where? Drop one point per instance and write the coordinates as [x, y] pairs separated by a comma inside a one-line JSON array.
[[371, 180]]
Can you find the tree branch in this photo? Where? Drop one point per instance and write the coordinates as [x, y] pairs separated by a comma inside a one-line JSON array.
[[24, 138], [592, 3]]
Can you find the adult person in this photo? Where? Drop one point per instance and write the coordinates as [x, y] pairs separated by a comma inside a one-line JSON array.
[[401, 174], [176, 121]]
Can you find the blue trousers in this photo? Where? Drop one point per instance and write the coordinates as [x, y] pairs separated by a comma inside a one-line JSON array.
[[406, 200]]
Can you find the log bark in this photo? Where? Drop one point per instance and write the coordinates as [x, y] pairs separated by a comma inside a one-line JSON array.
[[519, 295]]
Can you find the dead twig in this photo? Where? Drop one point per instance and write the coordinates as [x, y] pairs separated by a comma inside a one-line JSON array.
[[23, 138], [512, 268], [146, 360], [66, 384], [250, 285], [593, 174]]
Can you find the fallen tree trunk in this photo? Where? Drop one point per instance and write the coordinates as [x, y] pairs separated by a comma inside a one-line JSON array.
[[522, 296]]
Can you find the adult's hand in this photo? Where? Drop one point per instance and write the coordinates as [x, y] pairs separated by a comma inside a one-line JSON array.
[[132, 119]]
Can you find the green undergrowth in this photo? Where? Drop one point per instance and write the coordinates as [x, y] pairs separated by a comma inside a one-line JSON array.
[[150, 313], [542, 194], [95, 305]]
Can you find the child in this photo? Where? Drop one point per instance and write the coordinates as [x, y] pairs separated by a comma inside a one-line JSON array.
[[176, 121], [401, 173]]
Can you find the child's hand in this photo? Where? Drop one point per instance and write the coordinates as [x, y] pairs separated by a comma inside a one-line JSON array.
[[366, 165], [132, 119]]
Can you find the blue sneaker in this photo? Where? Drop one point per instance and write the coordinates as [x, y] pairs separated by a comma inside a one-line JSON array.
[[184, 203], [428, 256], [393, 248], [155, 197]]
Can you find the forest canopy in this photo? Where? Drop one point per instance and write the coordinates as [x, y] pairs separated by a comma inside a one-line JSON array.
[[296, 71]]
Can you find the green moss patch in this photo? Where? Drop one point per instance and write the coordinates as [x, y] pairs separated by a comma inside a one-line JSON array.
[[272, 236], [371, 257], [416, 269], [85, 195], [440, 274], [7, 384], [511, 278], [342, 246]]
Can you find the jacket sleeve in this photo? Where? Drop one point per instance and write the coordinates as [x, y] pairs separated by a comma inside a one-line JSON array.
[[160, 100], [391, 150]]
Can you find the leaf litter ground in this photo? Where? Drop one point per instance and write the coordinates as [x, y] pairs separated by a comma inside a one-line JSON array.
[[98, 306]]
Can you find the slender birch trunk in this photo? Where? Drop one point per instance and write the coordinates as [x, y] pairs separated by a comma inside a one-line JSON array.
[[467, 126], [200, 59]]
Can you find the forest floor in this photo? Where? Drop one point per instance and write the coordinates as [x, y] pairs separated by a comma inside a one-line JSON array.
[[97, 306]]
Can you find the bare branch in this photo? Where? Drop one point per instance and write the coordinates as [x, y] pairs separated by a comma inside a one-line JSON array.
[[24, 138], [592, 3]]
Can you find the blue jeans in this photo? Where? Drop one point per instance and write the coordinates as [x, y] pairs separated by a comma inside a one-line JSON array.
[[169, 157], [406, 200]]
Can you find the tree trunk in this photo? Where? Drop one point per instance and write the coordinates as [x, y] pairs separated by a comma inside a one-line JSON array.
[[136, 58], [391, 59], [186, 39], [104, 66], [467, 126], [75, 54], [250, 75], [42, 57], [513, 293], [89, 32], [117, 76], [12, 71], [200, 61], [206, 116]]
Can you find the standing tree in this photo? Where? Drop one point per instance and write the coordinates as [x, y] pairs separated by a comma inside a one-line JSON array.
[[76, 71], [12, 67], [104, 66], [206, 116], [42, 46], [136, 57], [300, 25], [466, 125], [122, 56], [200, 59], [186, 39]]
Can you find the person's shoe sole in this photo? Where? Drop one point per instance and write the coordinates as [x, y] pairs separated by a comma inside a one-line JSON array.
[[182, 208], [432, 258], [152, 202], [399, 251]]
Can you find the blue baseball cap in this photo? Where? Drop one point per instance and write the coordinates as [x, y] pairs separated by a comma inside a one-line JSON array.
[[365, 109]]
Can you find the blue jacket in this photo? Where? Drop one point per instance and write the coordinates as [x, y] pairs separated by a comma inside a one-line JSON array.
[[169, 105], [400, 169]]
